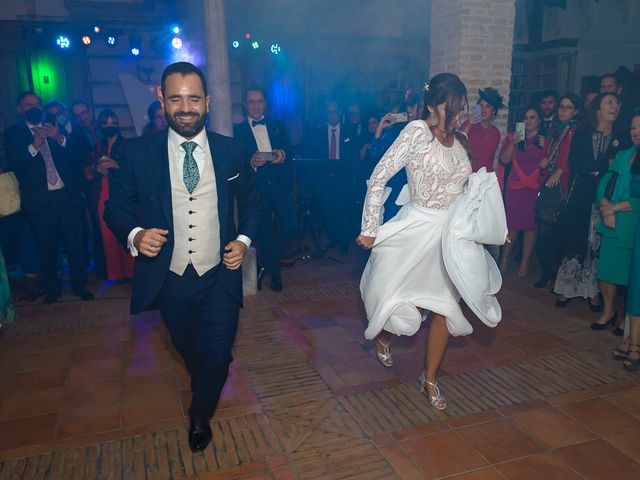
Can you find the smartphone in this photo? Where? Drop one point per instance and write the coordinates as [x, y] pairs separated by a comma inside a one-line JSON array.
[[399, 117], [520, 130], [49, 118], [267, 156], [477, 112]]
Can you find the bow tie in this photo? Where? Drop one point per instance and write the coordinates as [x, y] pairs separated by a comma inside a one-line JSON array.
[[258, 122]]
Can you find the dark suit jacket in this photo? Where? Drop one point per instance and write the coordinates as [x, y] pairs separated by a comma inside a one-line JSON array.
[[140, 196], [31, 171], [318, 145], [282, 173]]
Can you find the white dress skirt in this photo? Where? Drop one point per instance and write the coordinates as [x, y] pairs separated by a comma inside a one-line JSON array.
[[403, 274], [416, 253]]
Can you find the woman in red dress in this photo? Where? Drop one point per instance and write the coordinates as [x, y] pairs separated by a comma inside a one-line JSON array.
[[105, 157]]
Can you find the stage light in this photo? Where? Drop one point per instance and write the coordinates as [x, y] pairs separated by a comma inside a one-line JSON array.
[[135, 51], [176, 43], [275, 49], [86, 40], [96, 29], [63, 42], [247, 36], [255, 45], [236, 44], [111, 41], [176, 29]]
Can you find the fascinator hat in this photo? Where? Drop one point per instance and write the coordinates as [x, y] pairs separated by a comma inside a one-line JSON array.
[[492, 97]]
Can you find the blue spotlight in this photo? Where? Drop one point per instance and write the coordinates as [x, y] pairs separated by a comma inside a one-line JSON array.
[[63, 42], [176, 42], [255, 45], [111, 41], [135, 51], [236, 44], [176, 29]]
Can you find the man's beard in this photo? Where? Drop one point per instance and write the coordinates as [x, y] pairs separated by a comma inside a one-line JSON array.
[[186, 131]]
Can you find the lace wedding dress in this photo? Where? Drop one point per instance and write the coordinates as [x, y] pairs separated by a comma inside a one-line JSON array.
[[406, 268]]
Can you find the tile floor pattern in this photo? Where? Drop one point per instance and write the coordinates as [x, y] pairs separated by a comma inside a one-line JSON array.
[[87, 392]]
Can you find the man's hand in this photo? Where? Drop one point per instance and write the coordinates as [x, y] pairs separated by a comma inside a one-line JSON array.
[[38, 137], [234, 253], [257, 161], [365, 242], [51, 131], [149, 242], [279, 157], [105, 164]]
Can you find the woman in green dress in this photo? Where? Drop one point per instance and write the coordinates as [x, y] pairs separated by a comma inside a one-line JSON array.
[[629, 350], [7, 313], [620, 208]]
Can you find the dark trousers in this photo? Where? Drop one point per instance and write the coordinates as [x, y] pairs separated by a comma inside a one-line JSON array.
[[61, 222], [95, 240], [331, 194], [274, 242], [202, 319], [548, 249]]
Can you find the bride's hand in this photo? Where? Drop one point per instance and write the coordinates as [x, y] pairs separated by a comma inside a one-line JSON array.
[[365, 242]]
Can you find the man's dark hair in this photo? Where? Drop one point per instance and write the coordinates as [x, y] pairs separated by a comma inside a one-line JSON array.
[[611, 75], [254, 88], [183, 68], [79, 102], [22, 95], [549, 93], [54, 103], [106, 113]]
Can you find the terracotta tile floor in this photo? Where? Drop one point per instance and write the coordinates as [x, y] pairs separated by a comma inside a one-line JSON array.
[[86, 390]]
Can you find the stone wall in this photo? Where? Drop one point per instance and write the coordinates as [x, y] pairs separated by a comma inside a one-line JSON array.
[[474, 39]]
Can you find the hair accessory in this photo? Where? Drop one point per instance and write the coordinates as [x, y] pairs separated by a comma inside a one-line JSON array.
[[492, 97], [426, 87]]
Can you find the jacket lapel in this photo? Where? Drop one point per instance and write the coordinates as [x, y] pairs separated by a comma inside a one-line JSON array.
[[161, 177], [218, 157]]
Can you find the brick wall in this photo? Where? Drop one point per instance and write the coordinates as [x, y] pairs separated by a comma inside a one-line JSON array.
[[474, 39]]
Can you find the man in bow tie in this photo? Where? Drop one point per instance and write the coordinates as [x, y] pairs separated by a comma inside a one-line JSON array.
[[172, 204], [274, 175]]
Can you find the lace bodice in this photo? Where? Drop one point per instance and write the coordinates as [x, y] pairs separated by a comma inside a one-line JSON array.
[[436, 174]]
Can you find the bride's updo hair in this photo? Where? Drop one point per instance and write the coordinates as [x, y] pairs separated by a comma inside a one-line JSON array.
[[447, 88]]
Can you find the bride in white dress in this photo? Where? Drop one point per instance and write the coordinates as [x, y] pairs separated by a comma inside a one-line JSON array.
[[405, 276]]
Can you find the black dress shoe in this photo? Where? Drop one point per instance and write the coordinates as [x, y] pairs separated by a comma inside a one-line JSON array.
[[199, 433], [276, 283], [85, 295], [602, 326], [562, 302]]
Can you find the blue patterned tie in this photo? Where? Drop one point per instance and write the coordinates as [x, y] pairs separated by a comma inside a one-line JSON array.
[[190, 173]]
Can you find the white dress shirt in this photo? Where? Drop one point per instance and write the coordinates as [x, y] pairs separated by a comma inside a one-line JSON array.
[[261, 135], [34, 151], [176, 155], [337, 129]]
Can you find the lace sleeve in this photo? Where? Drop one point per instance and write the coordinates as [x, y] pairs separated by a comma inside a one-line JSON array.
[[396, 157]]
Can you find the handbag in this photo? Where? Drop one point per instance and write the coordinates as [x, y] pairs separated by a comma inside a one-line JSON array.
[[551, 203], [552, 200], [9, 194]]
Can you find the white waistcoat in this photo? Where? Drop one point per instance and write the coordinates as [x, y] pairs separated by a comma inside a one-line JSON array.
[[196, 227]]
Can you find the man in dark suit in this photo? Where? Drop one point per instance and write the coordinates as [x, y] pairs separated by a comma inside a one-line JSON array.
[[275, 182], [49, 194], [332, 141], [172, 204]]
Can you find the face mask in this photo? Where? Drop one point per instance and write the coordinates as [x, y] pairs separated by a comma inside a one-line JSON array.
[[109, 132], [34, 115]]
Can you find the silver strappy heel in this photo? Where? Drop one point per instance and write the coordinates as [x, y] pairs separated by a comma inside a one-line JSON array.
[[438, 401]]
